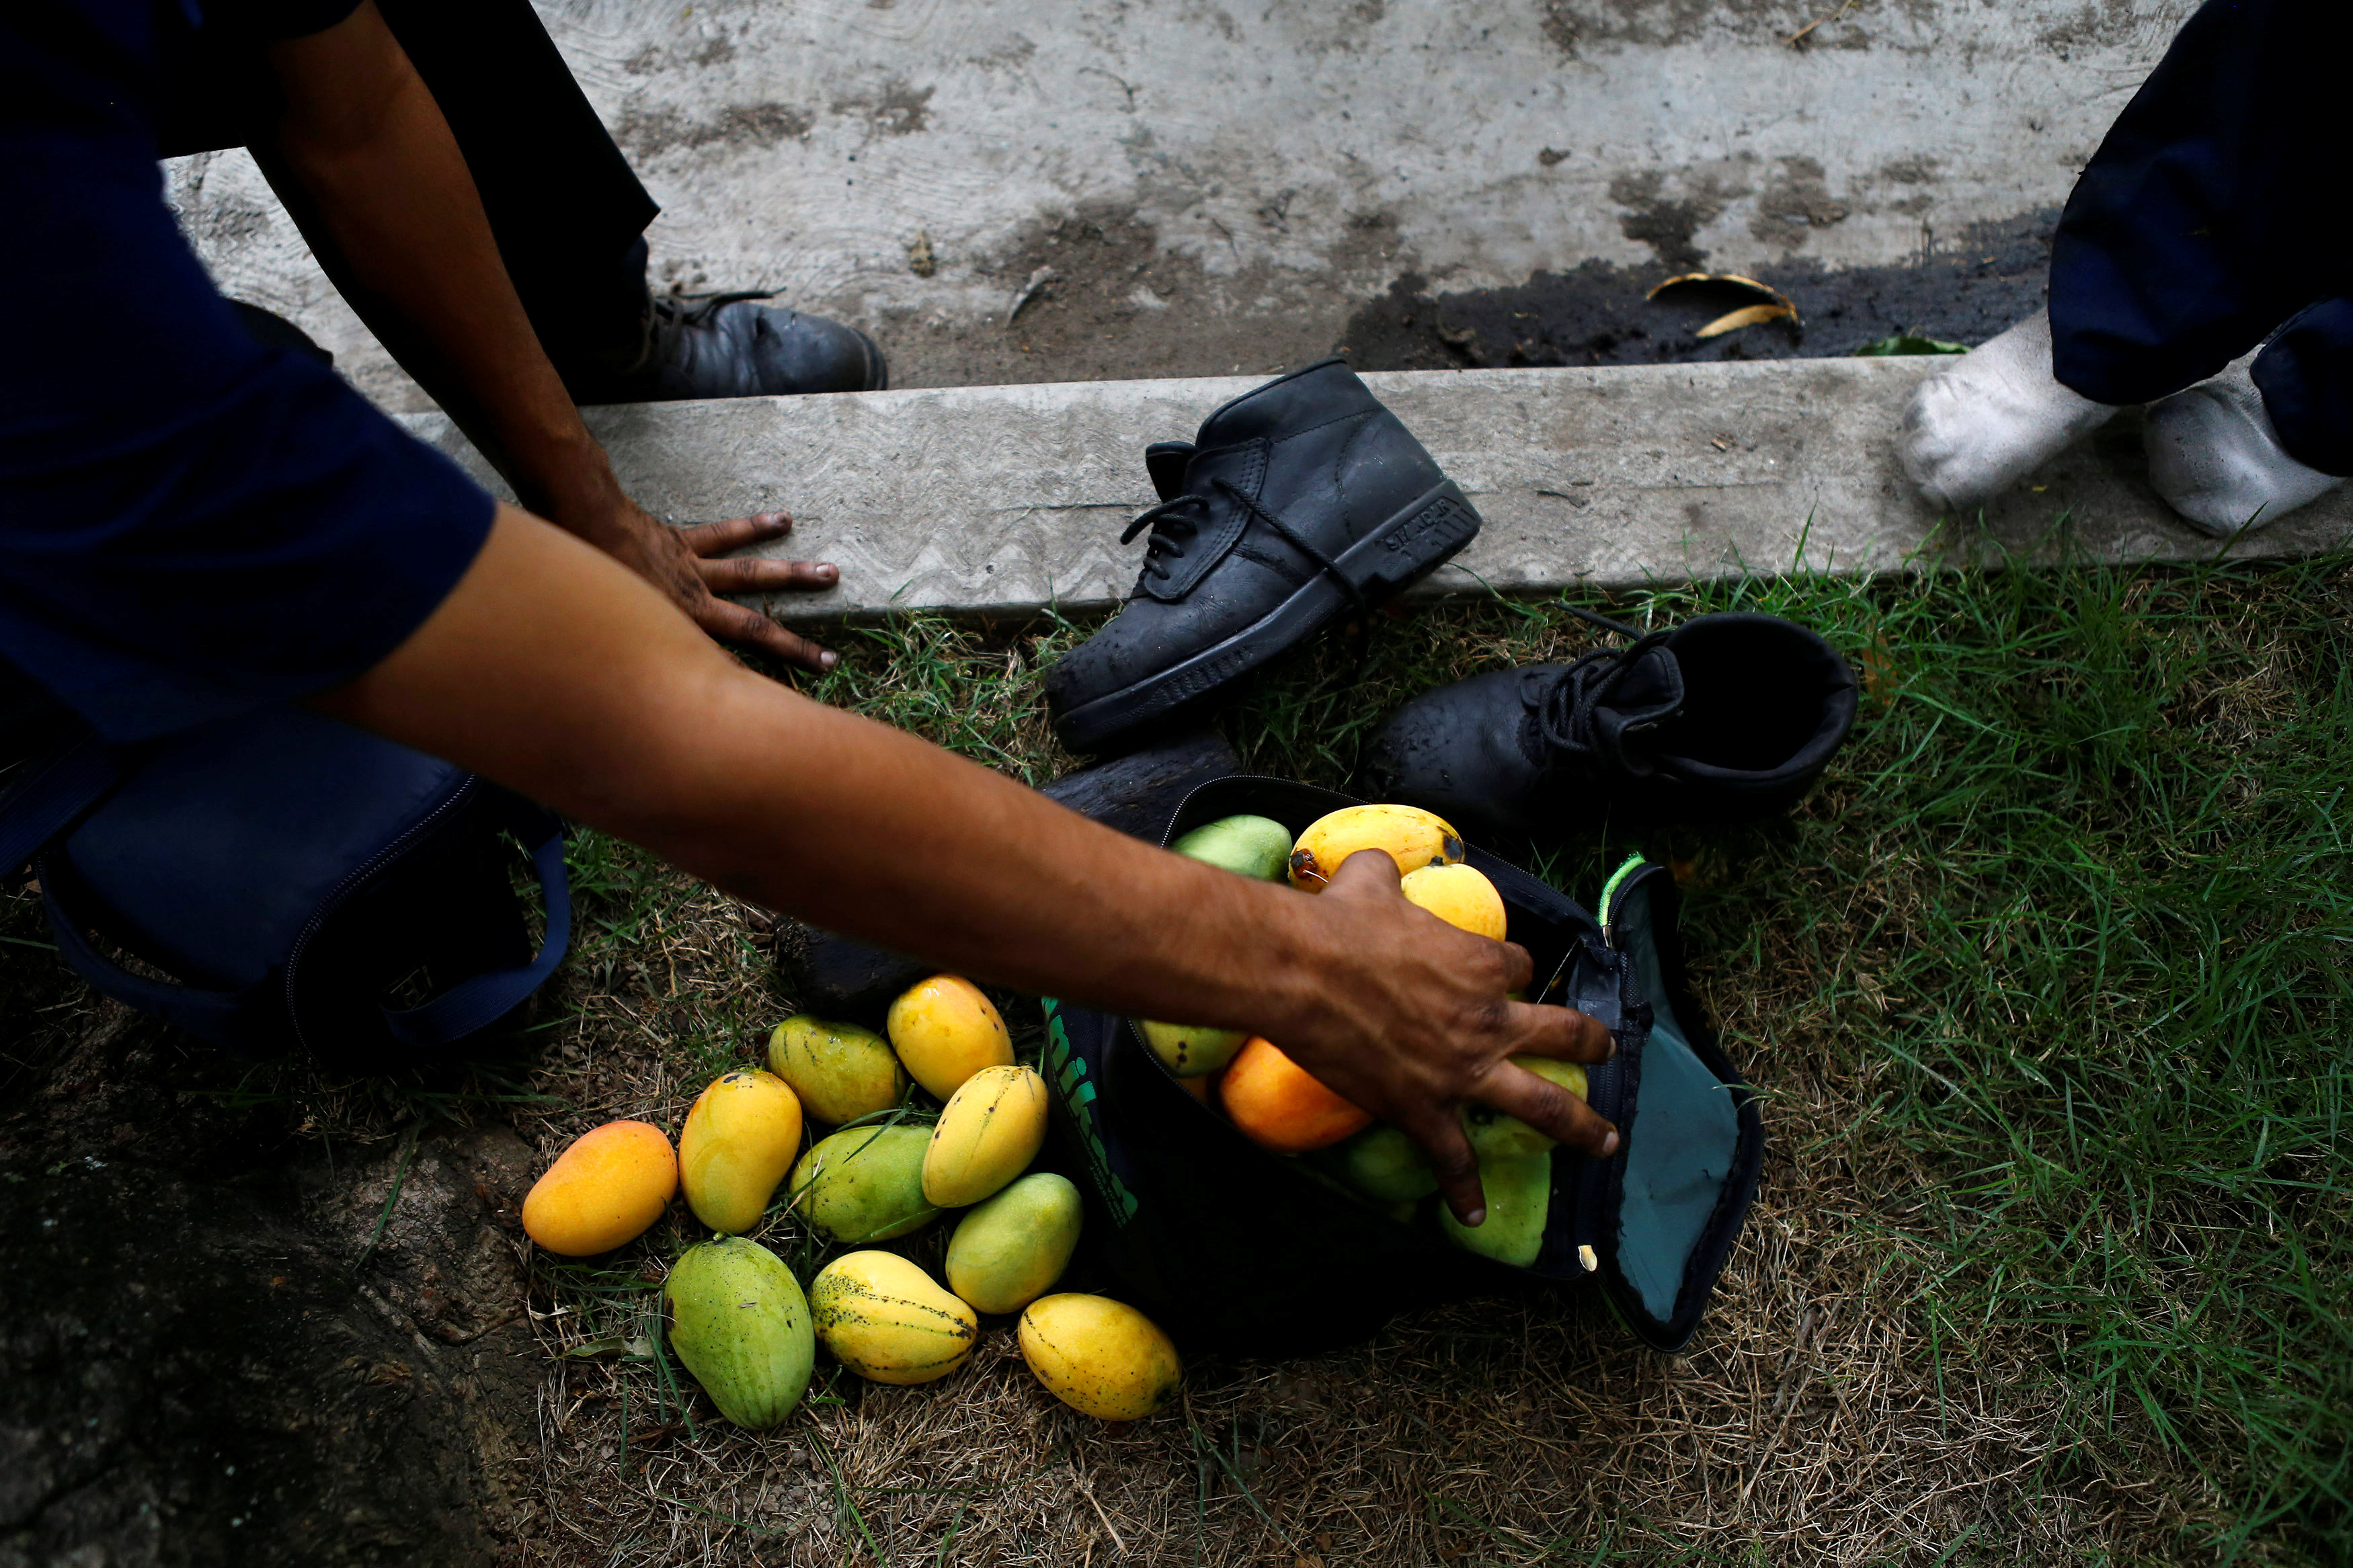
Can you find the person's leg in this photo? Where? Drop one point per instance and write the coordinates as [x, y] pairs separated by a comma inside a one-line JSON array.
[[566, 210], [2195, 229], [2246, 447], [2205, 219]]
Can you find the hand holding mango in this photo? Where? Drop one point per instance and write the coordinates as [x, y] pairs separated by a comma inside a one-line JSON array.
[[1422, 1034]]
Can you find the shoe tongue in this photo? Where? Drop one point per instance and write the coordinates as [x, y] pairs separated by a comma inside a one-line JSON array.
[[1642, 697]]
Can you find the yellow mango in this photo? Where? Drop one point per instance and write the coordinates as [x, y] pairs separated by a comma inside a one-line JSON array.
[[1496, 1136], [1010, 1250], [740, 1323], [885, 1319], [865, 1184], [993, 1126], [1409, 836], [606, 1188], [1461, 896], [1100, 1357], [1191, 1051], [736, 1145], [945, 1031], [841, 1071]]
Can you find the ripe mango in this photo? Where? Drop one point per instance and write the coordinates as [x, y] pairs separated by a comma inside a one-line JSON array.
[[1010, 1250], [1495, 1136], [1282, 1106], [865, 1184], [1519, 1196], [1100, 1357], [1383, 1164], [606, 1188], [1412, 837], [1246, 846], [1191, 1052], [740, 1323], [1461, 896], [884, 1319], [993, 1126], [945, 1031], [841, 1071], [736, 1145]]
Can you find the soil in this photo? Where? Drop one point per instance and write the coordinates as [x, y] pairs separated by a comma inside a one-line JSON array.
[[201, 1359], [1109, 304]]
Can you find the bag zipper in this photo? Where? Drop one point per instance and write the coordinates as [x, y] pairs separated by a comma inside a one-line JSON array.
[[343, 889]]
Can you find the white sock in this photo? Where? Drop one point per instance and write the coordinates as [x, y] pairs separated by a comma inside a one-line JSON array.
[[2216, 460], [1992, 417]]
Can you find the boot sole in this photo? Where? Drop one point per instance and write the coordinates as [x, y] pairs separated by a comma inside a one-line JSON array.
[[1416, 541]]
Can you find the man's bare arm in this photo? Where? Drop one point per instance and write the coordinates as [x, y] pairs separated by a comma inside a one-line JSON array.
[[554, 671], [363, 135]]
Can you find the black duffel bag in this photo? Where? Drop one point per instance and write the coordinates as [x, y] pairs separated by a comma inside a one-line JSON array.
[[1229, 1246], [289, 882]]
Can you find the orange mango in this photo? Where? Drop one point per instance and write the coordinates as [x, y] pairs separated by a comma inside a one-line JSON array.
[[1282, 1106], [605, 1189]]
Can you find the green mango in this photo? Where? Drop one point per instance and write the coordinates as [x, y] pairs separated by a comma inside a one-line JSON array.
[[1495, 1136], [1191, 1052], [1519, 1196], [1246, 846], [1383, 1164], [1010, 1249], [839, 1071], [865, 1184], [740, 1323]]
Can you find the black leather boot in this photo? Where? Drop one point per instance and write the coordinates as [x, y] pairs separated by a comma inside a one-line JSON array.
[[1723, 718], [733, 346], [1297, 503], [729, 345]]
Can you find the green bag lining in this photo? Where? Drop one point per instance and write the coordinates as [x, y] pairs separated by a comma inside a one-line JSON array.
[[1685, 1137]]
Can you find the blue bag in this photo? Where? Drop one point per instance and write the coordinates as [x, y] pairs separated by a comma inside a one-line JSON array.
[[301, 883]]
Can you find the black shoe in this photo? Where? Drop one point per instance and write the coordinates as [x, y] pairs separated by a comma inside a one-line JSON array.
[[729, 346], [1725, 718], [1298, 502]]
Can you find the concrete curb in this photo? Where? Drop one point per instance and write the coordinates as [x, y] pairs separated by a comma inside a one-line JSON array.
[[998, 499]]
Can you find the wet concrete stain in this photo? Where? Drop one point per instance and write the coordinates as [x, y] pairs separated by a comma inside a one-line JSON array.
[[649, 134], [1797, 199], [1971, 286], [1666, 221], [899, 110]]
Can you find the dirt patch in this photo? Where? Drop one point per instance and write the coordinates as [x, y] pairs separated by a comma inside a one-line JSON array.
[[650, 134], [202, 1359], [1965, 291], [1101, 299]]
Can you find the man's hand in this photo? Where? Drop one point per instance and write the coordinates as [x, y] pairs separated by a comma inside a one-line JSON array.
[[1414, 1025], [677, 561]]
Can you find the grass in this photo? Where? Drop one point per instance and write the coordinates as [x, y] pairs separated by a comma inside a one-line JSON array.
[[2047, 988], [2070, 924]]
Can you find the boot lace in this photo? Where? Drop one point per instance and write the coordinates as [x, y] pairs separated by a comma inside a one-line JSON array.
[[1174, 523], [704, 306], [1565, 713]]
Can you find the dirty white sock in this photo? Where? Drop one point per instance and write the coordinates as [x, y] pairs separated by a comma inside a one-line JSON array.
[[1992, 416], [2216, 460]]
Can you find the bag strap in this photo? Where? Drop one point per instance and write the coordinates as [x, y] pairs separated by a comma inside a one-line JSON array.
[[58, 786], [470, 1004], [208, 1015]]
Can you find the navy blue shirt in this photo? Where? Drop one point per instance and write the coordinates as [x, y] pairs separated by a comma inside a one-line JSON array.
[[191, 525]]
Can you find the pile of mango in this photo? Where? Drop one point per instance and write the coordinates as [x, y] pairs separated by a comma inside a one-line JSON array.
[[739, 1319], [1280, 1106]]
